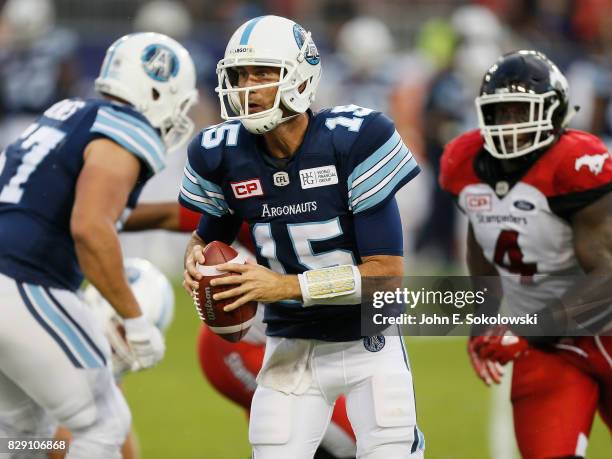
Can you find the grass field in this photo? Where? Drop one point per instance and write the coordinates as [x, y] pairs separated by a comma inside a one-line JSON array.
[[177, 415]]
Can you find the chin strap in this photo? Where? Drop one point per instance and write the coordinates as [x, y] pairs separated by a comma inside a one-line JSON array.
[[571, 112], [256, 126], [287, 118]]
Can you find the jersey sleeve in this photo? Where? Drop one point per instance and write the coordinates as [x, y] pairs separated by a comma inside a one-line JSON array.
[[582, 176], [200, 188], [456, 163], [133, 134], [379, 164], [587, 165], [224, 229], [380, 232]]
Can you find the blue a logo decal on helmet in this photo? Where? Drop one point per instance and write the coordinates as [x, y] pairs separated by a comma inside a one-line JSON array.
[[160, 62], [132, 274], [311, 53], [374, 343]]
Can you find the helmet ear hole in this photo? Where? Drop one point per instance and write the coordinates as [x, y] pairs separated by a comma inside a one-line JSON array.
[[154, 94]]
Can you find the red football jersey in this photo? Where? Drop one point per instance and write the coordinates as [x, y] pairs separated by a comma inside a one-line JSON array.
[[524, 226]]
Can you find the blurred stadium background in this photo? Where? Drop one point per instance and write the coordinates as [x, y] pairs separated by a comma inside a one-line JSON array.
[[420, 61]]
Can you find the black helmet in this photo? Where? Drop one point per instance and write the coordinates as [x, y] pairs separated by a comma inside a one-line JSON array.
[[527, 77]]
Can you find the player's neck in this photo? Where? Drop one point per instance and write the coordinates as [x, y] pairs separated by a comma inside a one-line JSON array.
[[286, 138]]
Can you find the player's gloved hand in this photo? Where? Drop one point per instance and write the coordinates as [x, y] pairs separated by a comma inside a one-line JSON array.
[[487, 370], [501, 345], [145, 340]]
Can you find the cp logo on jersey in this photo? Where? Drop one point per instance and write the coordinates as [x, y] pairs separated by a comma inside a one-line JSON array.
[[159, 62], [247, 189], [478, 202]]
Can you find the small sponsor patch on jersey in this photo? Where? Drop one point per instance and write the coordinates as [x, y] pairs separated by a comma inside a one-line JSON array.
[[522, 204], [280, 179], [374, 343], [318, 176], [594, 163], [247, 188], [479, 202]]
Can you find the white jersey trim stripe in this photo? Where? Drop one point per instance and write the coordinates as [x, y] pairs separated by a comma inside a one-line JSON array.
[[202, 199], [128, 142], [145, 136], [378, 166], [195, 181], [383, 182]]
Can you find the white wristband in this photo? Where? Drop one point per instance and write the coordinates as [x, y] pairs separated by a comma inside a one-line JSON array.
[[337, 285], [136, 325]]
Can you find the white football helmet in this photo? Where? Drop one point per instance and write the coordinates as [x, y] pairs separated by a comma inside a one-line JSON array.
[[365, 43], [155, 297], [156, 75], [270, 41], [169, 17], [28, 20]]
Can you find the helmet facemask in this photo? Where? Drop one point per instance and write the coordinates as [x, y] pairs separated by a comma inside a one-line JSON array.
[[515, 138], [176, 129]]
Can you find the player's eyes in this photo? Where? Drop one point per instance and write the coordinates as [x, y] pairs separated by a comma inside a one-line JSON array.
[[266, 74]]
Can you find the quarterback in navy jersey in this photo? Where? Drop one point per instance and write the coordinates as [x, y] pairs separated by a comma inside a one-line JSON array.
[[66, 184], [317, 191]]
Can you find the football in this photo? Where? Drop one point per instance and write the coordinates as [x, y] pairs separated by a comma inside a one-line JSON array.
[[233, 325]]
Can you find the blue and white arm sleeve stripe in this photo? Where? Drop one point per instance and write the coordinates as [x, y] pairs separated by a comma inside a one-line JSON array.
[[132, 134], [203, 194], [378, 176]]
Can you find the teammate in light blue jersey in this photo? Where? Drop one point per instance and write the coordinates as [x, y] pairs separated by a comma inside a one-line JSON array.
[[317, 190], [66, 184]]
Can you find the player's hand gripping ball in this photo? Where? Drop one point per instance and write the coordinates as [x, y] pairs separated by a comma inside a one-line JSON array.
[[233, 325]]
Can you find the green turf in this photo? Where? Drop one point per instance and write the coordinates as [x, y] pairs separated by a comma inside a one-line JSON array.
[[177, 415]]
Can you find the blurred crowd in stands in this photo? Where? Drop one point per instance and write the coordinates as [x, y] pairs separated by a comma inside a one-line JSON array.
[[419, 61]]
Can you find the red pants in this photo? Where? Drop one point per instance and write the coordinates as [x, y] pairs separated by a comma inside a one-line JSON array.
[[231, 368], [556, 393]]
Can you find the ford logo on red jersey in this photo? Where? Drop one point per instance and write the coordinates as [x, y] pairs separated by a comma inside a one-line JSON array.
[[247, 188]]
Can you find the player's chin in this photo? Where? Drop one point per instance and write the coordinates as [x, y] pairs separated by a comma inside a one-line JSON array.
[[523, 141], [256, 108]]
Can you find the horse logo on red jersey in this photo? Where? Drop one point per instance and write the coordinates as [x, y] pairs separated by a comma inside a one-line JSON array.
[[595, 163]]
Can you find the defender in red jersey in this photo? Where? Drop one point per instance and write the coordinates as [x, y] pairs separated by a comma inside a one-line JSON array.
[[537, 196]]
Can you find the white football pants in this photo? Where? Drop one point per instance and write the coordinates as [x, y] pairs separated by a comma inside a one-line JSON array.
[[379, 398], [55, 369]]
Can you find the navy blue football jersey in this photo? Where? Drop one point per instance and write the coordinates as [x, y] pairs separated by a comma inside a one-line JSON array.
[[38, 175], [301, 212]]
